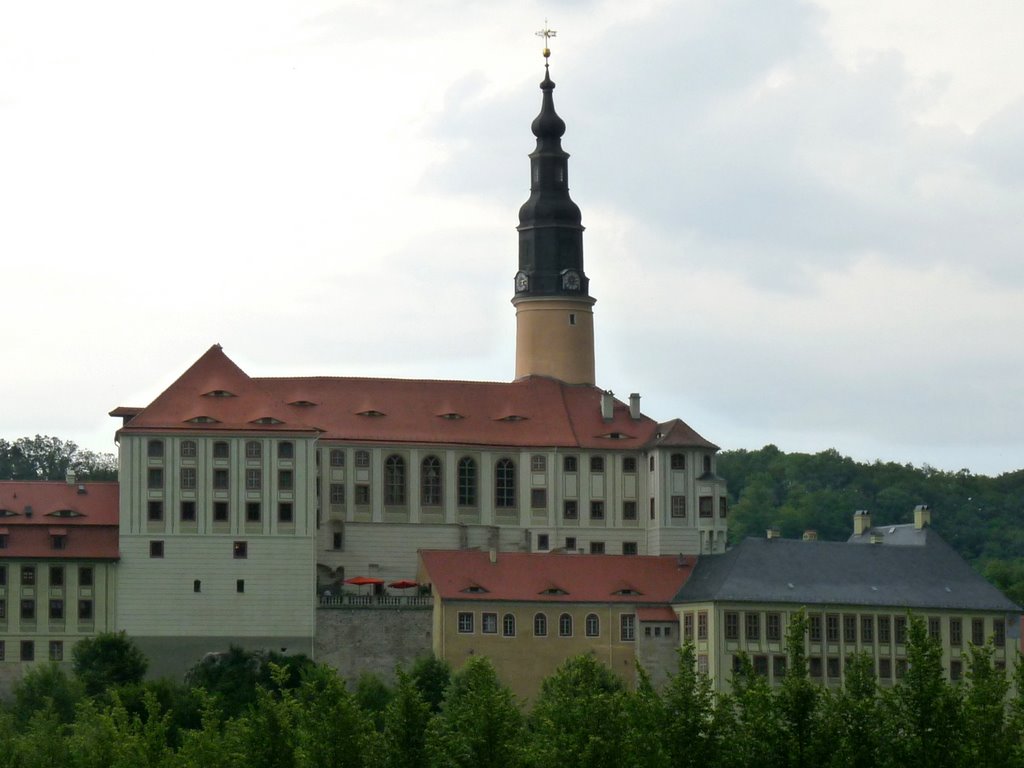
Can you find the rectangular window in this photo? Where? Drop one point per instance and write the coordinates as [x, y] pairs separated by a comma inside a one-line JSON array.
[[542, 542], [253, 513], [688, 627], [85, 576], [570, 464], [285, 513], [597, 547], [58, 541], [900, 629], [779, 667], [999, 633], [885, 669], [978, 631], [188, 478], [253, 479], [337, 457], [188, 449], [489, 623], [220, 479], [956, 670], [597, 510], [627, 627], [629, 510], [723, 507], [362, 494], [707, 506], [833, 667], [570, 543], [732, 625], [3, 541], [538, 463], [286, 449], [832, 628], [28, 610], [901, 668], [702, 663], [56, 575], [849, 629], [570, 510], [240, 585], [28, 650], [221, 450], [56, 609], [156, 549], [597, 464], [538, 498], [220, 511], [814, 628], [3, 575], [465, 622], [155, 478], [253, 449], [760, 665], [337, 493], [197, 586], [773, 629], [702, 625], [678, 506], [629, 464], [362, 459], [867, 629], [752, 627], [155, 511], [337, 540], [85, 610], [285, 479], [935, 628], [814, 666], [884, 629], [652, 507], [651, 462], [240, 550], [188, 511], [3, 609], [629, 548], [28, 575], [956, 632]]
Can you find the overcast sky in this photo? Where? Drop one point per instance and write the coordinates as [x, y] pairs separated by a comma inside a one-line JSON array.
[[804, 219]]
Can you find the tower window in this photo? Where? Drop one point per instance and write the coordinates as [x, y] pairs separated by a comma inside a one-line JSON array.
[[572, 318]]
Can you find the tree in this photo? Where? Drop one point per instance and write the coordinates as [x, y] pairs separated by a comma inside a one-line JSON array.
[[107, 660], [46, 687], [50, 458], [688, 704], [757, 732], [988, 735], [403, 743], [852, 731], [431, 677], [798, 697], [480, 725], [333, 730], [373, 697]]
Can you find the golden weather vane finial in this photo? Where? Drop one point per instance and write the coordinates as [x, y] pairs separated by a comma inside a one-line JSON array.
[[547, 34]]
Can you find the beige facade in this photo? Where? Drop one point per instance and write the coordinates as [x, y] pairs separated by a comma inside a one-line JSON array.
[[555, 337], [720, 632]]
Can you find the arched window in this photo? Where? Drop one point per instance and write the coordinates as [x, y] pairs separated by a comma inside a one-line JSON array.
[[593, 625], [467, 482], [540, 625], [565, 625], [508, 625], [337, 457], [362, 459], [678, 461], [430, 482], [253, 449], [394, 480], [505, 483]]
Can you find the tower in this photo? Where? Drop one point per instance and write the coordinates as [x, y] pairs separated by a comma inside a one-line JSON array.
[[554, 309]]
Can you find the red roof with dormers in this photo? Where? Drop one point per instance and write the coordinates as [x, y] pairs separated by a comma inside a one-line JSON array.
[[469, 574], [85, 514], [534, 411]]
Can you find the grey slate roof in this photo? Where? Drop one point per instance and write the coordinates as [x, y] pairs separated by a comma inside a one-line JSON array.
[[930, 576], [903, 535]]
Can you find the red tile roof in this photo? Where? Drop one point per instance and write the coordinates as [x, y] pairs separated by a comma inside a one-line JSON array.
[[32, 512], [553, 577], [656, 613], [534, 411]]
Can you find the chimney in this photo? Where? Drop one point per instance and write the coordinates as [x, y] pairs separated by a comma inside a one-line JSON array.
[[810, 535], [81, 489], [634, 405], [607, 405], [69, 478], [773, 533], [861, 522], [492, 554], [922, 516]]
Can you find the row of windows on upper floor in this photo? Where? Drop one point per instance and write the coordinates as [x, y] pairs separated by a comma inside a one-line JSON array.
[[28, 610], [188, 479], [57, 573], [187, 511], [466, 625], [27, 650], [818, 667], [221, 449]]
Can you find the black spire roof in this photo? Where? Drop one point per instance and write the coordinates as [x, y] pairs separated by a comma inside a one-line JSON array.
[[550, 232]]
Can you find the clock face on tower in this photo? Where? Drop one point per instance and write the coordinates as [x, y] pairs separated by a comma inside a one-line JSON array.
[[571, 280], [522, 282]]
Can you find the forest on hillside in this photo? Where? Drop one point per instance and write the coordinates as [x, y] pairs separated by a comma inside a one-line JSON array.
[[981, 517]]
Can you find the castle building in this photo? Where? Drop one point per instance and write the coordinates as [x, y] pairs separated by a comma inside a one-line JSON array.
[[243, 496]]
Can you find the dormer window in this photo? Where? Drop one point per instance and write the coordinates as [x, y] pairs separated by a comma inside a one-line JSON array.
[[451, 416], [513, 417], [371, 413], [266, 420], [627, 591], [302, 403], [64, 513], [218, 393], [7, 513], [474, 589], [203, 420], [553, 591]]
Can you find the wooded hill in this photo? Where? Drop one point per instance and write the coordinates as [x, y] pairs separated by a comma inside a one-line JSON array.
[[982, 517]]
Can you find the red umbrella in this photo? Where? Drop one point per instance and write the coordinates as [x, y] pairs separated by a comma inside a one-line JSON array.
[[403, 584], [362, 580]]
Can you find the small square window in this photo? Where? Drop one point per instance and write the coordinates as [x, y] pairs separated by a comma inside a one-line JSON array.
[[362, 459], [285, 512], [156, 549], [597, 464], [337, 457], [220, 479], [538, 498], [629, 464], [188, 449], [570, 464], [286, 449], [58, 541], [489, 623], [597, 547], [155, 478], [629, 548], [188, 511], [465, 622], [221, 450], [56, 575], [538, 463], [629, 510], [570, 509], [570, 543], [240, 550], [597, 510], [155, 511], [285, 479], [155, 449], [542, 541], [253, 512], [678, 461], [220, 511], [253, 449]]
